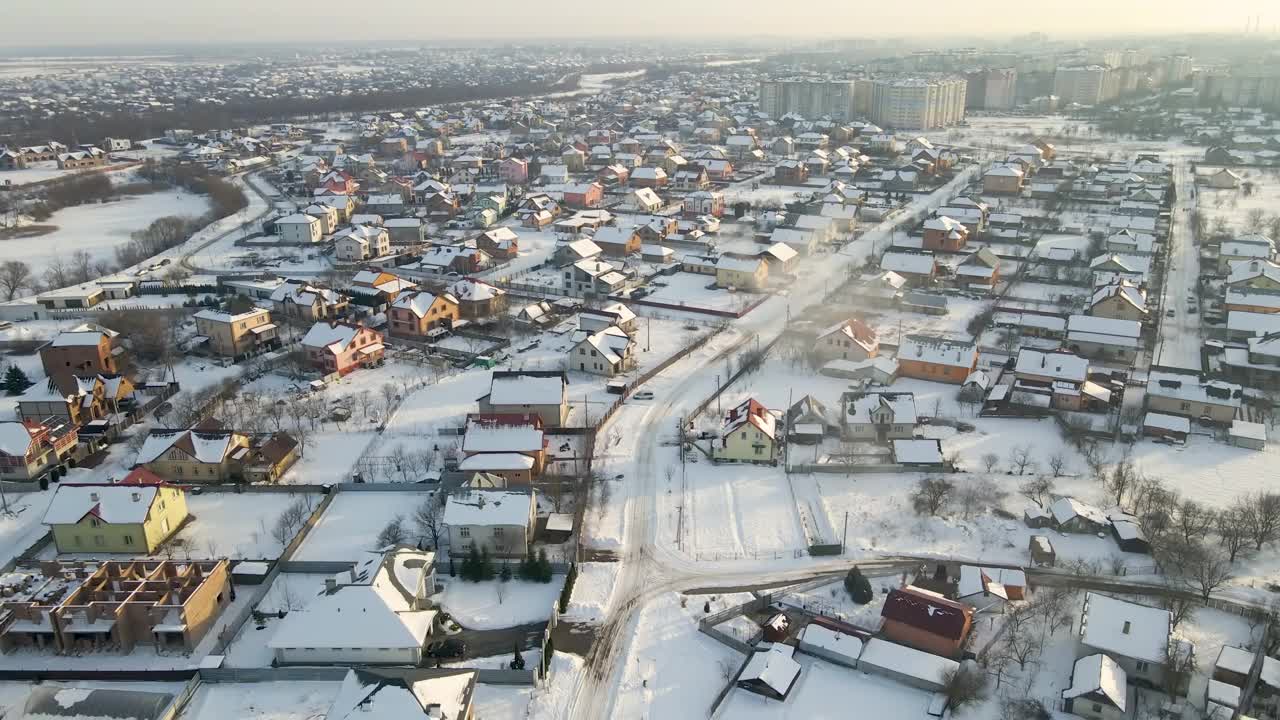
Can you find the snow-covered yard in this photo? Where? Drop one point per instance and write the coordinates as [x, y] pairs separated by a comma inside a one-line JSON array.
[[493, 604], [349, 527], [829, 691], [235, 525], [23, 525], [692, 290], [592, 591]]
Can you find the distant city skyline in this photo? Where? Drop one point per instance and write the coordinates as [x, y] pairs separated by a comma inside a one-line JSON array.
[[119, 23]]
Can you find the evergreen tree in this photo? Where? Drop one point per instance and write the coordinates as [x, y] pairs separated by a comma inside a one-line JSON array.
[[471, 566], [528, 568], [505, 574], [543, 567], [517, 662], [859, 586], [486, 565], [15, 381]]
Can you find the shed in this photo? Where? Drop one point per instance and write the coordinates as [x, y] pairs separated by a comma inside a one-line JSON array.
[[1245, 434], [1036, 517], [906, 665], [1170, 427], [1042, 554], [770, 673], [1129, 536], [829, 644], [777, 628]]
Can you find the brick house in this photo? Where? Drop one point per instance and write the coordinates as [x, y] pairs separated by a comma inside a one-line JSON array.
[[926, 621], [415, 313], [945, 360], [944, 234], [341, 348]]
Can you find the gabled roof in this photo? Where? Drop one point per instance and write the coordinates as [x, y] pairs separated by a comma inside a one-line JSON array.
[[1125, 628], [419, 302], [938, 350], [750, 412], [855, 330], [926, 611], [334, 337], [1100, 676], [112, 504]]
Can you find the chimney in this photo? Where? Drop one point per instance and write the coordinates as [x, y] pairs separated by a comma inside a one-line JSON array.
[[93, 496], [330, 584], [137, 497]]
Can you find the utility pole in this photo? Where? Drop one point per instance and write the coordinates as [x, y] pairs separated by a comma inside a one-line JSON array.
[[845, 537], [718, 396], [648, 332]]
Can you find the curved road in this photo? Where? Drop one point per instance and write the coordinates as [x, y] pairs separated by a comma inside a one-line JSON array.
[[651, 563]]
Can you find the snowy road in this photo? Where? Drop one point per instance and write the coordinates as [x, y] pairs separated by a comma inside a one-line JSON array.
[[653, 560], [1179, 336]]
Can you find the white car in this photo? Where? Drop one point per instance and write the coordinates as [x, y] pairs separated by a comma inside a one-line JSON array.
[[642, 395]]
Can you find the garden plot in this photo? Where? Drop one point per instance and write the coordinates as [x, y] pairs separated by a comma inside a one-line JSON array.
[[23, 525], [833, 600], [349, 527], [494, 604], [233, 525], [290, 700], [694, 291], [99, 228], [1236, 209]]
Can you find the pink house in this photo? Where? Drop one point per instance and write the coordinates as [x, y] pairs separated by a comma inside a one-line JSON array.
[[514, 171]]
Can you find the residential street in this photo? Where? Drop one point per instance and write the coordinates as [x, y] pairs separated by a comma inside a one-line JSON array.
[[1179, 336]]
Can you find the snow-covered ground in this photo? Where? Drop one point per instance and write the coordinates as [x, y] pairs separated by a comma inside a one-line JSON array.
[[591, 592], [829, 691], [349, 527], [696, 291], [262, 701], [502, 702], [99, 228], [494, 604], [233, 525], [23, 525]]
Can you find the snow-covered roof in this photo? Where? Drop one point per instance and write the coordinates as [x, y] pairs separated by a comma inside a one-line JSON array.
[[335, 337], [527, 390], [1065, 508], [750, 411], [917, 452], [854, 330], [372, 607], [774, 667], [1248, 430], [1234, 659], [114, 504], [1098, 673], [900, 405], [738, 264], [370, 695], [203, 446], [419, 303], [1124, 628], [912, 263], [833, 641], [15, 439], [975, 580], [1055, 365], [469, 290], [906, 661], [1189, 387], [1093, 325], [491, 437], [489, 508], [611, 343], [1170, 423], [937, 350]]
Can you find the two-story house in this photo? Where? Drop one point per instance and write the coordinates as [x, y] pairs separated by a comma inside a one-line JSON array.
[[416, 312], [879, 416], [341, 348], [499, 521], [237, 335], [748, 434], [131, 518]]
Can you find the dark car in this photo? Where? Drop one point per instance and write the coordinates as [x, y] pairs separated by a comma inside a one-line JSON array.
[[447, 649]]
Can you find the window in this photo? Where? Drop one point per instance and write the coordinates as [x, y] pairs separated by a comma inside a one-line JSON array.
[[1097, 708], [744, 434], [464, 532], [128, 539], [99, 540], [94, 522], [77, 541], [759, 449], [1142, 665], [497, 532], [1126, 627]]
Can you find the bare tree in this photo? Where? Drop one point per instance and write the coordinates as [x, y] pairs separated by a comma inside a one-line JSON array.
[[1057, 462], [81, 266], [500, 590], [1194, 521], [1020, 640], [1180, 607], [1198, 568], [976, 496], [15, 276], [1037, 489], [1232, 530], [931, 495], [964, 686], [429, 517], [1120, 480], [990, 461], [1262, 517], [1020, 458], [392, 533]]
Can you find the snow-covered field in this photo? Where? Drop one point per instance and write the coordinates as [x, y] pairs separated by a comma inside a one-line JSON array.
[[262, 701], [494, 604], [99, 228], [350, 525], [233, 525]]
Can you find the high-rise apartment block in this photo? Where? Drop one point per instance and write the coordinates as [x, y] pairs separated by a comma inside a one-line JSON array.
[[811, 98], [918, 104], [1085, 84]]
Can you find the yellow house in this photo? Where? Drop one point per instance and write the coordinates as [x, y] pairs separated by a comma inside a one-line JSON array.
[[1120, 300], [749, 273], [199, 456], [1254, 275], [236, 335], [115, 518], [749, 435]]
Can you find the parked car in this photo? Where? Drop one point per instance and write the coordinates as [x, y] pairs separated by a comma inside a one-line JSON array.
[[643, 395], [447, 649]]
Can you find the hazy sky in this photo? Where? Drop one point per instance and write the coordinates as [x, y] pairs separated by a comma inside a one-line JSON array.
[[123, 22]]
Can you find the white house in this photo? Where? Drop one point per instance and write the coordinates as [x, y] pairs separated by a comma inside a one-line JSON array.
[[1136, 636], [299, 229], [1099, 689], [880, 416], [607, 352], [362, 243], [377, 613], [501, 521]]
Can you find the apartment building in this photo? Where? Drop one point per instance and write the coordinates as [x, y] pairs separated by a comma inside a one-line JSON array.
[[810, 98], [1085, 84], [917, 103], [1000, 90]]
